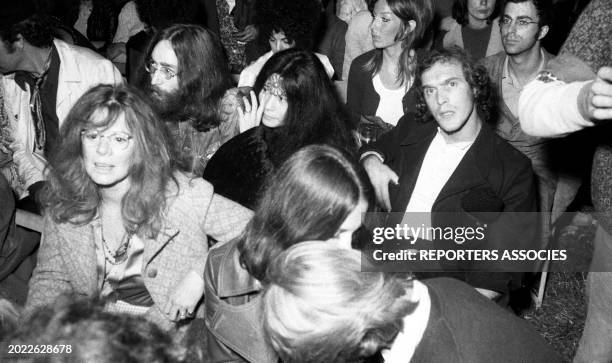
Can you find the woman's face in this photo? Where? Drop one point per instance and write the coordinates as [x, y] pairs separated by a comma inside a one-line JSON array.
[[385, 25], [108, 153], [274, 100], [344, 236], [480, 10], [278, 41]]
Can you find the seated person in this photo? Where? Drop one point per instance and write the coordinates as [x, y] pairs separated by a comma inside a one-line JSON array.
[[319, 306], [43, 79], [188, 82], [473, 26], [86, 333], [446, 160], [285, 24], [379, 80], [318, 193], [297, 106], [121, 222]]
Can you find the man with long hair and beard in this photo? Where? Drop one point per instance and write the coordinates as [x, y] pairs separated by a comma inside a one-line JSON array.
[[188, 82]]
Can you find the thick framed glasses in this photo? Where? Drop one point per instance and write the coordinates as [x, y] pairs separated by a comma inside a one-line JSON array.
[[152, 67], [117, 141], [520, 23]]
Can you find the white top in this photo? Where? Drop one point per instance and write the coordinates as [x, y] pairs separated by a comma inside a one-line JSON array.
[[415, 324], [249, 74], [440, 162], [390, 107], [128, 24]]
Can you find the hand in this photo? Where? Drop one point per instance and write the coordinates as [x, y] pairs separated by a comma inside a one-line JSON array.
[[249, 33], [596, 97], [253, 112], [186, 295], [380, 176]]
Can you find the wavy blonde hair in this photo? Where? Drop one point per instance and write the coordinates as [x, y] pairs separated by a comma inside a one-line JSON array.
[[320, 307]]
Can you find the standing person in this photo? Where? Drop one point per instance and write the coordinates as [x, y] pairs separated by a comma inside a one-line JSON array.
[[320, 178], [121, 222], [283, 25], [296, 105], [446, 160], [358, 36], [319, 306], [566, 98], [43, 79], [524, 23], [188, 81], [379, 80], [473, 26]]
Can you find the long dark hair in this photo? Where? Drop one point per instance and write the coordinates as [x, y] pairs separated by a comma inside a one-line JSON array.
[[460, 13], [74, 197], [314, 115], [203, 74], [422, 12], [308, 198]]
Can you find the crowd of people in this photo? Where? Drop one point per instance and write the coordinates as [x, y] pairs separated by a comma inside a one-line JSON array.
[[206, 176]]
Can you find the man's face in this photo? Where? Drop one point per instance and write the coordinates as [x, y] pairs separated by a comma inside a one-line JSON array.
[[519, 28], [9, 60], [450, 100], [278, 41], [163, 70]]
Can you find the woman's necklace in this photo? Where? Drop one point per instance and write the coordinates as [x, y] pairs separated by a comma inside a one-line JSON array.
[[120, 255]]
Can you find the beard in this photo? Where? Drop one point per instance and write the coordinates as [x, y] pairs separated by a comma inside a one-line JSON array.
[[169, 106]]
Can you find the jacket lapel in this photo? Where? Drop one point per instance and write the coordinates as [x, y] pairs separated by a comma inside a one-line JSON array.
[[69, 77], [153, 246]]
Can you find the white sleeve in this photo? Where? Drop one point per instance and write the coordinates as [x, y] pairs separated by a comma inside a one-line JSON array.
[[550, 108]]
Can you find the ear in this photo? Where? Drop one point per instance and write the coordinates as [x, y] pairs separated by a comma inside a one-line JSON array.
[[408, 28], [19, 43], [543, 32]]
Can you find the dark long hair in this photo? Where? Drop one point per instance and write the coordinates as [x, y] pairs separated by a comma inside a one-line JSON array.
[[476, 76], [74, 197], [203, 74], [460, 13], [422, 12], [314, 115], [308, 198]]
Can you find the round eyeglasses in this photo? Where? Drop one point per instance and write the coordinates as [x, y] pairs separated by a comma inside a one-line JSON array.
[[152, 67], [117, 140], [520, 23]]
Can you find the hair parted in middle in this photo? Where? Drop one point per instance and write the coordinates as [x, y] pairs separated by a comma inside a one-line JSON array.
[[297, 19], [74, 197], [475, 75], [315, 114], [459, 12], [320, 307], [203, 74], [308, 198]]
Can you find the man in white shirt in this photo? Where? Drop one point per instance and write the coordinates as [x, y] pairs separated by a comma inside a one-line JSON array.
[[449, 160]]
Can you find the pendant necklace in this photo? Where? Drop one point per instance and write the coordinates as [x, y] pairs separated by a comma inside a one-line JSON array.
[[120, 255]]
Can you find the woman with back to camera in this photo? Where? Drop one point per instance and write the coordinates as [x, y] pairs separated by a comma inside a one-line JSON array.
[[121, 222], [320, 306], [473, 26], [296, 106], [318, 193], [379, 80]]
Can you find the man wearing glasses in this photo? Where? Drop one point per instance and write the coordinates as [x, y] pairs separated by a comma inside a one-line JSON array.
[[523, 24], [187, 83]]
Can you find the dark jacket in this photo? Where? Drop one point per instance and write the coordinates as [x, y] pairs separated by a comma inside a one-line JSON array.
[[233, 310], [475, 330], [361, 97], [492, 177]]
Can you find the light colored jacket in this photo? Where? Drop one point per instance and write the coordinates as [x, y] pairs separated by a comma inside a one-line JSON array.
[[80, 69], [453, 36], [67, 256]]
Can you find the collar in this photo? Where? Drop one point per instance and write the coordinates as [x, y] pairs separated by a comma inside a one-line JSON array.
[[462, 145], [234, 280], [511, 78], [70, 69]]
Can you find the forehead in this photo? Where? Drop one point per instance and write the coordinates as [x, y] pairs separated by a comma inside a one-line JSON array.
[[164, 54], [100, 119], [525, 9], [441, 71], [381, 6]]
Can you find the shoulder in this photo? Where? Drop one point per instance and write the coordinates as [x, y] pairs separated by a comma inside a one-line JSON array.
[[362, 59], [79, 53], [188, 194], [496, 156], [448, 23], [494, 63], [569, 68]]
